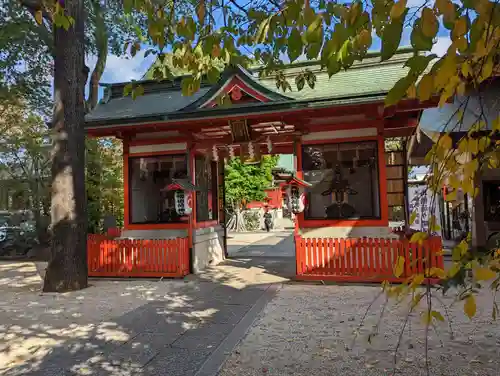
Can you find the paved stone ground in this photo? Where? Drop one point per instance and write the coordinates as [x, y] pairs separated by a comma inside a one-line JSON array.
[[124, 327], [309, 330], [238, 240], [274, 253]]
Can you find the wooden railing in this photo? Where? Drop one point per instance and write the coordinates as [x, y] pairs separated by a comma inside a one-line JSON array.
[[364, 259], [137, 258]]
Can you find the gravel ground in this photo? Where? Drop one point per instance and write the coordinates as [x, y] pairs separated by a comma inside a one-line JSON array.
[[121, 327], [309, 330]]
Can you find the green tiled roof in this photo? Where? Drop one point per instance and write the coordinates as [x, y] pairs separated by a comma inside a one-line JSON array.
[[365, 82], [367, 77]]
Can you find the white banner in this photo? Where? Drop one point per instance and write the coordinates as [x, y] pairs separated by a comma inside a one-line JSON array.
[[420, 200]]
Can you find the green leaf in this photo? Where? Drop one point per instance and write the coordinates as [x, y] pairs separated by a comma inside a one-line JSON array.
[[314, 33], [419, 63], [262, 31], [186, 86], [309, 16], [139, 90], [295, 46], [300, 82], [418, 40], [310, 78], [213, 75], [333, 65], [399, 90], [392, 37], [312, 51], [127, 89], [344, 54]]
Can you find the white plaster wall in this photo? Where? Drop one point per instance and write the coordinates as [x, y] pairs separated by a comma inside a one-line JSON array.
[[348, 232], [135, 149], [208, 247]]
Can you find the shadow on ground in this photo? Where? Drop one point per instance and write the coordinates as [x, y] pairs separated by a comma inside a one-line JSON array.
[[127, 327]]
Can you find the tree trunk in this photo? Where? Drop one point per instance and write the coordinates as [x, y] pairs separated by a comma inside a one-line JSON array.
[[67, 268]]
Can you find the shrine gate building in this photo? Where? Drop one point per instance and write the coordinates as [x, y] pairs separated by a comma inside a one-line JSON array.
[[336, 131]]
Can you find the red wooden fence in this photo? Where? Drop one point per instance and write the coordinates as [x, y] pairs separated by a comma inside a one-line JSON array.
[[364, 259], [137, 258]]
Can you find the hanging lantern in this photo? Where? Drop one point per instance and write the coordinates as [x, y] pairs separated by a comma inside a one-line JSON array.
[[215, 154], [251, 151], [269, 145], [143, 169], [183, 196], [183, 203], [296, 197]]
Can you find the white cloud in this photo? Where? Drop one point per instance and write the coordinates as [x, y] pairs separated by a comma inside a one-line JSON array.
[[441, 46], [123, 69]]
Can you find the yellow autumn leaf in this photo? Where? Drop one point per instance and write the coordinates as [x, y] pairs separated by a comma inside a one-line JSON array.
[[467, 186], [470, 306], [426, 317], [461, 88], [447, 70], [398, 9], [417, 281], [437, 315], [454, 269], [38, 17], [473, 146], [463, 145], [466, 69], [484, 142], [430, 23], [487, 69], [481, 49], [433, 226], [412, 92], [437, 272], [413, 217], [446, 8], [365, 38], [484, 274], [453, 181], [416, 299], [470, 169], [399, 266], [426, 87], [463, 247], [495, 126], [451, 196], [418, 237], [445, 142], [461, 44], [449, 90], [460, 28]]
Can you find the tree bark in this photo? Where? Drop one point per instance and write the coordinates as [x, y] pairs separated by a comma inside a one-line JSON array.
[[67, 269]]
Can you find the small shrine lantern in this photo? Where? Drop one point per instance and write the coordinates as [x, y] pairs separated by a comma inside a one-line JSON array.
[[183, 191], [296, 197]]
